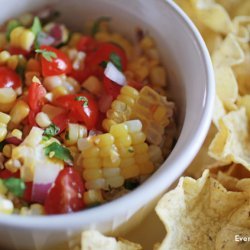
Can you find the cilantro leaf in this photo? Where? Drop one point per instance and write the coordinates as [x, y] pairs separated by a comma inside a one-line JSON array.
[[116, 60], [84, 99], [36, 26], [55, 150], [48, 55], [52, 130], [15, 185], [103, 64], [11, 26], [97, 23]]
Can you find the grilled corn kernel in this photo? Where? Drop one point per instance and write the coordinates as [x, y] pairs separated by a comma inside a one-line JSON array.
[[146, 168], [13, 62], [93, 85], [111, 163], [106, 151], [129, 91], [3, 132], [126, 99], [147, 43], [6, 206], [107, 123], [119, 130], [158, 76], [126, 152], [142, 158], [141, 148], [104, 140], [126, 162], [75, 132], [92, 197], [91, 152], [115, 182], [137, 137], [92, 163], [17, 133], [42, 120], [51, 82], [12, 165], [92, 174], [130, 171], [7, 150], [123, 141], [133, 126], [111, 172], [3, 40], [7, 95], [96, 184]]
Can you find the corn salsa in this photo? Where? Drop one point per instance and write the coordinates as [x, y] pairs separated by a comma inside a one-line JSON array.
[[84, 117]]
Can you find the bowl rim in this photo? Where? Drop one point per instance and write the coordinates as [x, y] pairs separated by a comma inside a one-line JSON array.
[[120, 205]]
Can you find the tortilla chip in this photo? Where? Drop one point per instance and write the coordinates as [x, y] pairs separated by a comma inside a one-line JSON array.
[[219, 111], [197, 211], [93, 240]]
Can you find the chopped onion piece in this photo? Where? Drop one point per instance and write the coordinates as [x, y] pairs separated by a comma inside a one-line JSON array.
[[114, 74]]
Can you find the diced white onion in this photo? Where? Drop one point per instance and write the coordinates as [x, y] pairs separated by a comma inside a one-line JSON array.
[[114, 74]]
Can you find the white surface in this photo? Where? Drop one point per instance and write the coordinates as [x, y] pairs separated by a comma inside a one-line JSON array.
[[185, 55]]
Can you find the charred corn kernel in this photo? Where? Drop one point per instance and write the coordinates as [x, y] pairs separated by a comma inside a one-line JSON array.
[[17, 133], [155, 155], [6, 206], [91, 163], [92, 174], [107, 162], [13, 62], [59, 91], [42, 120], [153, 55], [4, 118], [33, 65], [146, 168], [142, 158], [130, 171], [7, 95], [160, 113], [104, 140], [133, 126], [18, 113], [91, 152], [137, 137], [22, 38], [4, 57], [93, 85], [3, 132], [147, 43], [115, 181], [123, 141], [52, 111], [119, 106], [126, 162], [92, 197], [129, 91], [119, 130], [141, 148], [126, 152], [158, 76], [51, 82], [75, 132], [7, 150], [107, 123], [3, 189], [111, 172], [96, 184], [126, 99]]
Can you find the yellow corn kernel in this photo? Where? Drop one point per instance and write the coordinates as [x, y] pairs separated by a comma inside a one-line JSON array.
[[126, 152], [3, 189], [160, 113], [158, 76], [24, 211], [119, 130], [141, 73], [71, 85], [4, 118], [146, 168], [34, 137], [118, 106], [107, 162], [126, 99], [42, 120], [130, 171], [92, 197], [91, 152], [107, 123], [142, 158], [104, 140], [4, 57], [75, 132], [91, 163], [17, 133], [141, 148], [155, 154], [13, 62], [12, 165], [129, 91], [133, 125], [115, 182], [7, 95], [3, 132], [123, 141], [93, 85], [96, 184], [22, 38], [59, 91], [137, 137], [6, 206], [147, 43], [106, 151], [111, 172], [19, 112], [126, 162], [7, 150], [92, 174]]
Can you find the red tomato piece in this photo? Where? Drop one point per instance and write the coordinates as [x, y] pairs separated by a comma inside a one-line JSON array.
[[61, 121], [111, 87], [36, 96], [9, 78], [86, 44], [28, 191], [66, 195], [81, 75], [57, 66], [6, 174], [82, 108], [19, 51]]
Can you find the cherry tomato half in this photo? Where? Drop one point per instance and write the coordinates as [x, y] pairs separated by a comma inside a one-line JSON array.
[[57, 66], [86, 44], [82, 108], [66, 195], [9, 78], [111, 87]]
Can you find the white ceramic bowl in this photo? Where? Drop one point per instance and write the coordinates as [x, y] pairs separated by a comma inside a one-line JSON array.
[[192, 85]]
